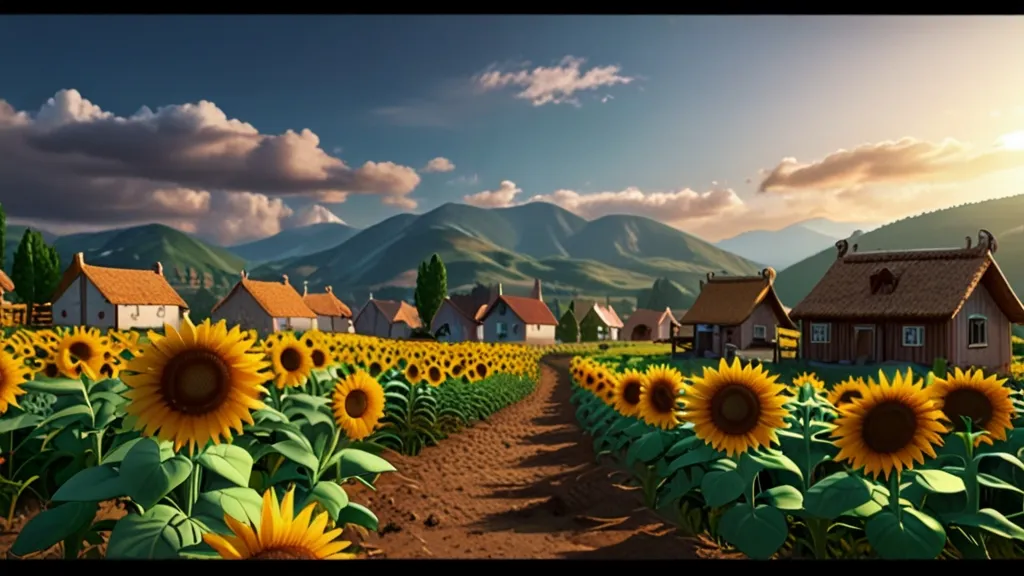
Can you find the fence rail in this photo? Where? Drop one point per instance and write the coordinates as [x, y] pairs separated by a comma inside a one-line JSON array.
[[40, 316]]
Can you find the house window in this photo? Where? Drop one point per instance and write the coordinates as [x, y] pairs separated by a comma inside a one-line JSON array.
[[515, 328], [101, 314], [821, 333], [913, 336], [977, 331], [63, 313], [502, 309], [502, 330], [759, 332]]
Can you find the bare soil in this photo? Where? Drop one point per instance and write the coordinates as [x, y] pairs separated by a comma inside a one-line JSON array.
[[523, 484]]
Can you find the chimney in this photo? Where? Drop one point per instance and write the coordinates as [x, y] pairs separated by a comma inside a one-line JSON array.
[[284, 278], [305, 287], [537, 293], [244, 274], [500, 289], [79, 258], [158, 268], [329, 290]]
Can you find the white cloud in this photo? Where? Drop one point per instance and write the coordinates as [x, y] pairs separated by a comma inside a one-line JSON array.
[[314, 214], [500, 198], [465, 180], [189, 165], [439, 164], [553, 84]]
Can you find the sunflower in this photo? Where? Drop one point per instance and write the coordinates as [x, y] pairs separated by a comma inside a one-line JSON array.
[[13, 373], [413, 373], [81, 351], [481, 369], [281, 535], [291, 361], [735, 408], [973, 395], [358, 404], [847, 391], [892, 426], [319, 356], [194, 385], [809, 378], [435, 375], [659, 396]]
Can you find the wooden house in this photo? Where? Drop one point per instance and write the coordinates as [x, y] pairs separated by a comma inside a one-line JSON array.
[[739, 310], [118, 298], [332, 315], [912, 306], [607, 320], [519, 319], [387, 319], [265, 306], [649, 325], [463, 325]]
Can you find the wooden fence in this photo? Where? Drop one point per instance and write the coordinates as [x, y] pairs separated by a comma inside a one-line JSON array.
[[12, 315]]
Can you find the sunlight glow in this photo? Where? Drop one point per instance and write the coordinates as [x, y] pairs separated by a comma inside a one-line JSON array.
[[1012, 141]]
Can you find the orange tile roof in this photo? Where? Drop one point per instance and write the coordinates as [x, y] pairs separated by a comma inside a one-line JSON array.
[[277, 299], [6, 284], [122, 286], [398, 312], [529, 310], [729, 301], [917, 284], [327, 304]]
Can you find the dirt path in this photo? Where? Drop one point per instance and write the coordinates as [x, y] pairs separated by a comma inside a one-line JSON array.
[[522, 485]]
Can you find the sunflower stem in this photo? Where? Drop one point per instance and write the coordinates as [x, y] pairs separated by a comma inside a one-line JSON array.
[[192, 492], [894, 495]]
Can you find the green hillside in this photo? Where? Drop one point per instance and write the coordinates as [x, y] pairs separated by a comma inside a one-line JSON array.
[[942, 228], [614, 256], [142, 246]]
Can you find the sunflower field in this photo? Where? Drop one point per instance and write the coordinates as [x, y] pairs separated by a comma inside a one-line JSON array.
[[896, 465], [219, 444]]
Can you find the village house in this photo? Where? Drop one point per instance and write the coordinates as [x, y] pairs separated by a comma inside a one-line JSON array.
[[265, 306], [743, 311], [463, 325], [649, 325], [519, 318], [607, 320], [387, 319], [332, 315], [912, 306], [118, 298]]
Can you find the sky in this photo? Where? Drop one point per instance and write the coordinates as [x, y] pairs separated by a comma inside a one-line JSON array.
[[237, 127]]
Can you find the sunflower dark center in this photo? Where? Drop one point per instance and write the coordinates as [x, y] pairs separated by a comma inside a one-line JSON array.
[[849, 396], [107, 370], [434, 373], [663, 397], [319, 358], [735, 409], [51, 371], [481, 370], [195, 382], [600, 386], [889, 427], [590, 380], [631, 393], [968, 403], [375, 368], [291, 359], [356, 403], [285, 553], [81, 350], [413, 371]]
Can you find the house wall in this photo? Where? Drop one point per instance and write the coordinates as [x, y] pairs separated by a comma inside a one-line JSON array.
[[302, 324], [140, 317], [333, 324], [371, 322], [997, 355], [888, 342], [763, 315], [540, 334], [664, 330], [461, 328], [242, 309], [503, 314], [68, 310], [613, 333]]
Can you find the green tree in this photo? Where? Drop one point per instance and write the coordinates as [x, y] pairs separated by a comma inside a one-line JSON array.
[[23, 270], [568, 331], [3, 238], [45, 269], [431, 289], [588, 327]]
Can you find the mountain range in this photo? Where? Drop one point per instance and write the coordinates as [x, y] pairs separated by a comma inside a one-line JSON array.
[[615, 256]]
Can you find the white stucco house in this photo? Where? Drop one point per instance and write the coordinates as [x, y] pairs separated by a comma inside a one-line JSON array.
[[118, 298], [265, 306], [519, 319], [332, 315]]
